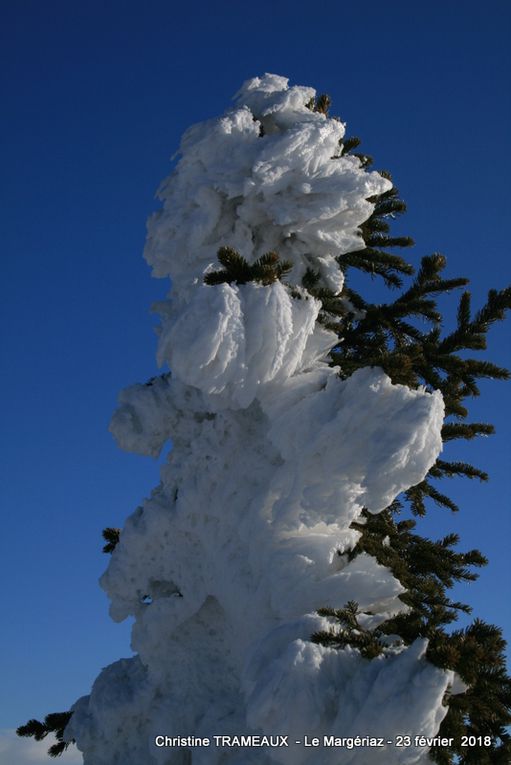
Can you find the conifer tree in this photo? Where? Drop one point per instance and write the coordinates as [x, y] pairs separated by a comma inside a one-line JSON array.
[[406, 339]]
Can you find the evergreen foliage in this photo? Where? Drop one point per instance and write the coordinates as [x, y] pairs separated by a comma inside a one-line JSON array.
[[476, 654], [265, 270], [53, 723], [111, 537], [370, 643], [320, 104], [426, 568], [404, 338]]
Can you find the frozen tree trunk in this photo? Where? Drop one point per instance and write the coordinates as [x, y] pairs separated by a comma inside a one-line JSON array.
[[273, 457]]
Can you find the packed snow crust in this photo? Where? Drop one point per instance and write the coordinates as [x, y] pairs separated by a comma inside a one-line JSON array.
[[273, 456]]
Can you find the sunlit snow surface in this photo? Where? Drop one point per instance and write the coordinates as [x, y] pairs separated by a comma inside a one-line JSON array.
[[273, 457]]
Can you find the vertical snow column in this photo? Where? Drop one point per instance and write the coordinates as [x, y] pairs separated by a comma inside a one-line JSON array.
[[273, 457]]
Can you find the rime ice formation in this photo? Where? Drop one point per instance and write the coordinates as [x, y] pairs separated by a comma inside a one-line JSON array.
[[273, 456]]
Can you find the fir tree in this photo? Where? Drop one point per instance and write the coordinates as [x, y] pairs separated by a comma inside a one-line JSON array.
[[403, 337]]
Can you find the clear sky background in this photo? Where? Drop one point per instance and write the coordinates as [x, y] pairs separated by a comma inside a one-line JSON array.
[[95, 96]]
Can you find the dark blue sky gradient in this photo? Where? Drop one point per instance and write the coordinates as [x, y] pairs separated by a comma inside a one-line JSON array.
[[95, 96]]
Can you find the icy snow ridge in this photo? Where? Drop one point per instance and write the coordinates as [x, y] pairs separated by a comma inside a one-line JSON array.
[[273, 457], [231, 340]]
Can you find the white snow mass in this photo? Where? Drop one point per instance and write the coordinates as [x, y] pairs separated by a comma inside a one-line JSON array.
[[273, 457]]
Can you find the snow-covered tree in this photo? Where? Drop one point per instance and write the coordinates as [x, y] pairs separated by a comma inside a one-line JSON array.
[[276, 582]]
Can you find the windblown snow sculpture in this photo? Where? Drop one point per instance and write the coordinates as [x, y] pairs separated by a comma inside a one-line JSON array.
[[273, 457]]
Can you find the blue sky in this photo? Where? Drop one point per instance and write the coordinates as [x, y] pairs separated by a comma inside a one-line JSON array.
[[95, 96]]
